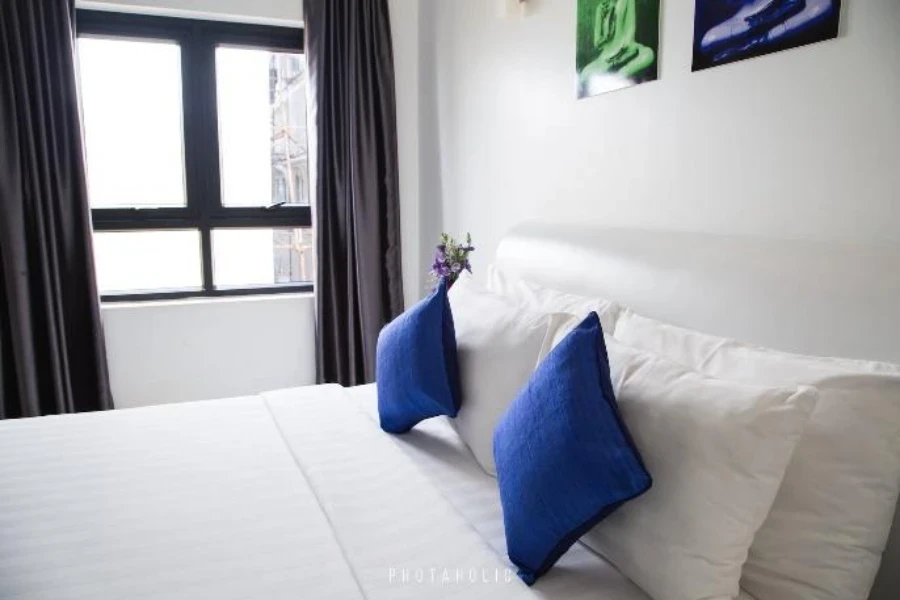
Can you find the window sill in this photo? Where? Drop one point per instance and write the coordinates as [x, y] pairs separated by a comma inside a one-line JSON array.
[[196, 293], [164, 302]]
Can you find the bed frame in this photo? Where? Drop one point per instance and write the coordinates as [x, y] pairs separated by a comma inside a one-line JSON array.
[[809, 297]]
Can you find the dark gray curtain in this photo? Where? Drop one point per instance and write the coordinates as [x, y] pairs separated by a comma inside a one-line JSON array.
[[357, 208], [52, 357]]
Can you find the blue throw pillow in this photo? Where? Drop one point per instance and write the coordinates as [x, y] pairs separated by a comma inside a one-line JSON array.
[[416, 367], [565, 459]]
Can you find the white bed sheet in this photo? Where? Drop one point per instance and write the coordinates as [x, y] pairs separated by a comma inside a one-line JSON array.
[[179, 502], [209, 500], [443, 457], [449, 465], [384, 512], [291, 494]]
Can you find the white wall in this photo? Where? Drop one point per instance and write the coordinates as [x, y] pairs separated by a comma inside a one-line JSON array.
[[272, 11], [162, 352], [803, 143]]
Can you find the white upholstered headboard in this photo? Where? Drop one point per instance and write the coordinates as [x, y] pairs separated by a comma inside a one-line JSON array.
[[820, 298]]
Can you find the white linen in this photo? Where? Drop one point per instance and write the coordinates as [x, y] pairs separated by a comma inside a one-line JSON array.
[[173, 502], [385, 514], [548, 300], [499, 343], [717, 451], [294, 494], [444, 458], [828, 527]]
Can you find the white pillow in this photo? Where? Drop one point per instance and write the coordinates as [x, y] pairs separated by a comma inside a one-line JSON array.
[[498, 344], [548, 300], [828, 527], [717, 451]]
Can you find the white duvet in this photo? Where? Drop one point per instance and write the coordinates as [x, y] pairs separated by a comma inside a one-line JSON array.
[[292, 494]]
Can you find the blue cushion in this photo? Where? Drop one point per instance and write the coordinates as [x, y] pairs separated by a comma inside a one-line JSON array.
[[565, 459], [417, 371]]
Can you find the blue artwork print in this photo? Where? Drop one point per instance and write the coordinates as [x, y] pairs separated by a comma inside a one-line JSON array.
[[726, 31]]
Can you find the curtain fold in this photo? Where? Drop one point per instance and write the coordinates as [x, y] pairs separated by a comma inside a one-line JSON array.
[[52, 355], [356, 183]]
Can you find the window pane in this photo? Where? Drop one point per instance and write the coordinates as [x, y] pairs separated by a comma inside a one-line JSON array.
[[131, 95], [140, 261], [262, 127], [254, 257]]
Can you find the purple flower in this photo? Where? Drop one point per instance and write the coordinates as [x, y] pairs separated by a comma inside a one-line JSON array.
[[451, 258]]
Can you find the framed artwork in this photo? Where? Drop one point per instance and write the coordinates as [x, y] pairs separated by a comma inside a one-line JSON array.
[[727, 31], [617, 44]]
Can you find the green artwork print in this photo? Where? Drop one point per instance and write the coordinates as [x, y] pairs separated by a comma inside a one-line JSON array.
[[618, 43]]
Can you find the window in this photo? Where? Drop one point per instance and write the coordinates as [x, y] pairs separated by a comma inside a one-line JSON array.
[[196, 143]]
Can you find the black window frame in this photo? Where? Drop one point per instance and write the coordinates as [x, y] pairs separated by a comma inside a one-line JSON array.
[[204, 210]]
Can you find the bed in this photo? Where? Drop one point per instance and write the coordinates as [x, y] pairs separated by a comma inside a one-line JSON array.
[[298, 494], [294, 493]]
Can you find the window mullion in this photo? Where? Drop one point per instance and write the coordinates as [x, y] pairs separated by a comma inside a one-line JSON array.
[[206, 247], [201, 127]]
